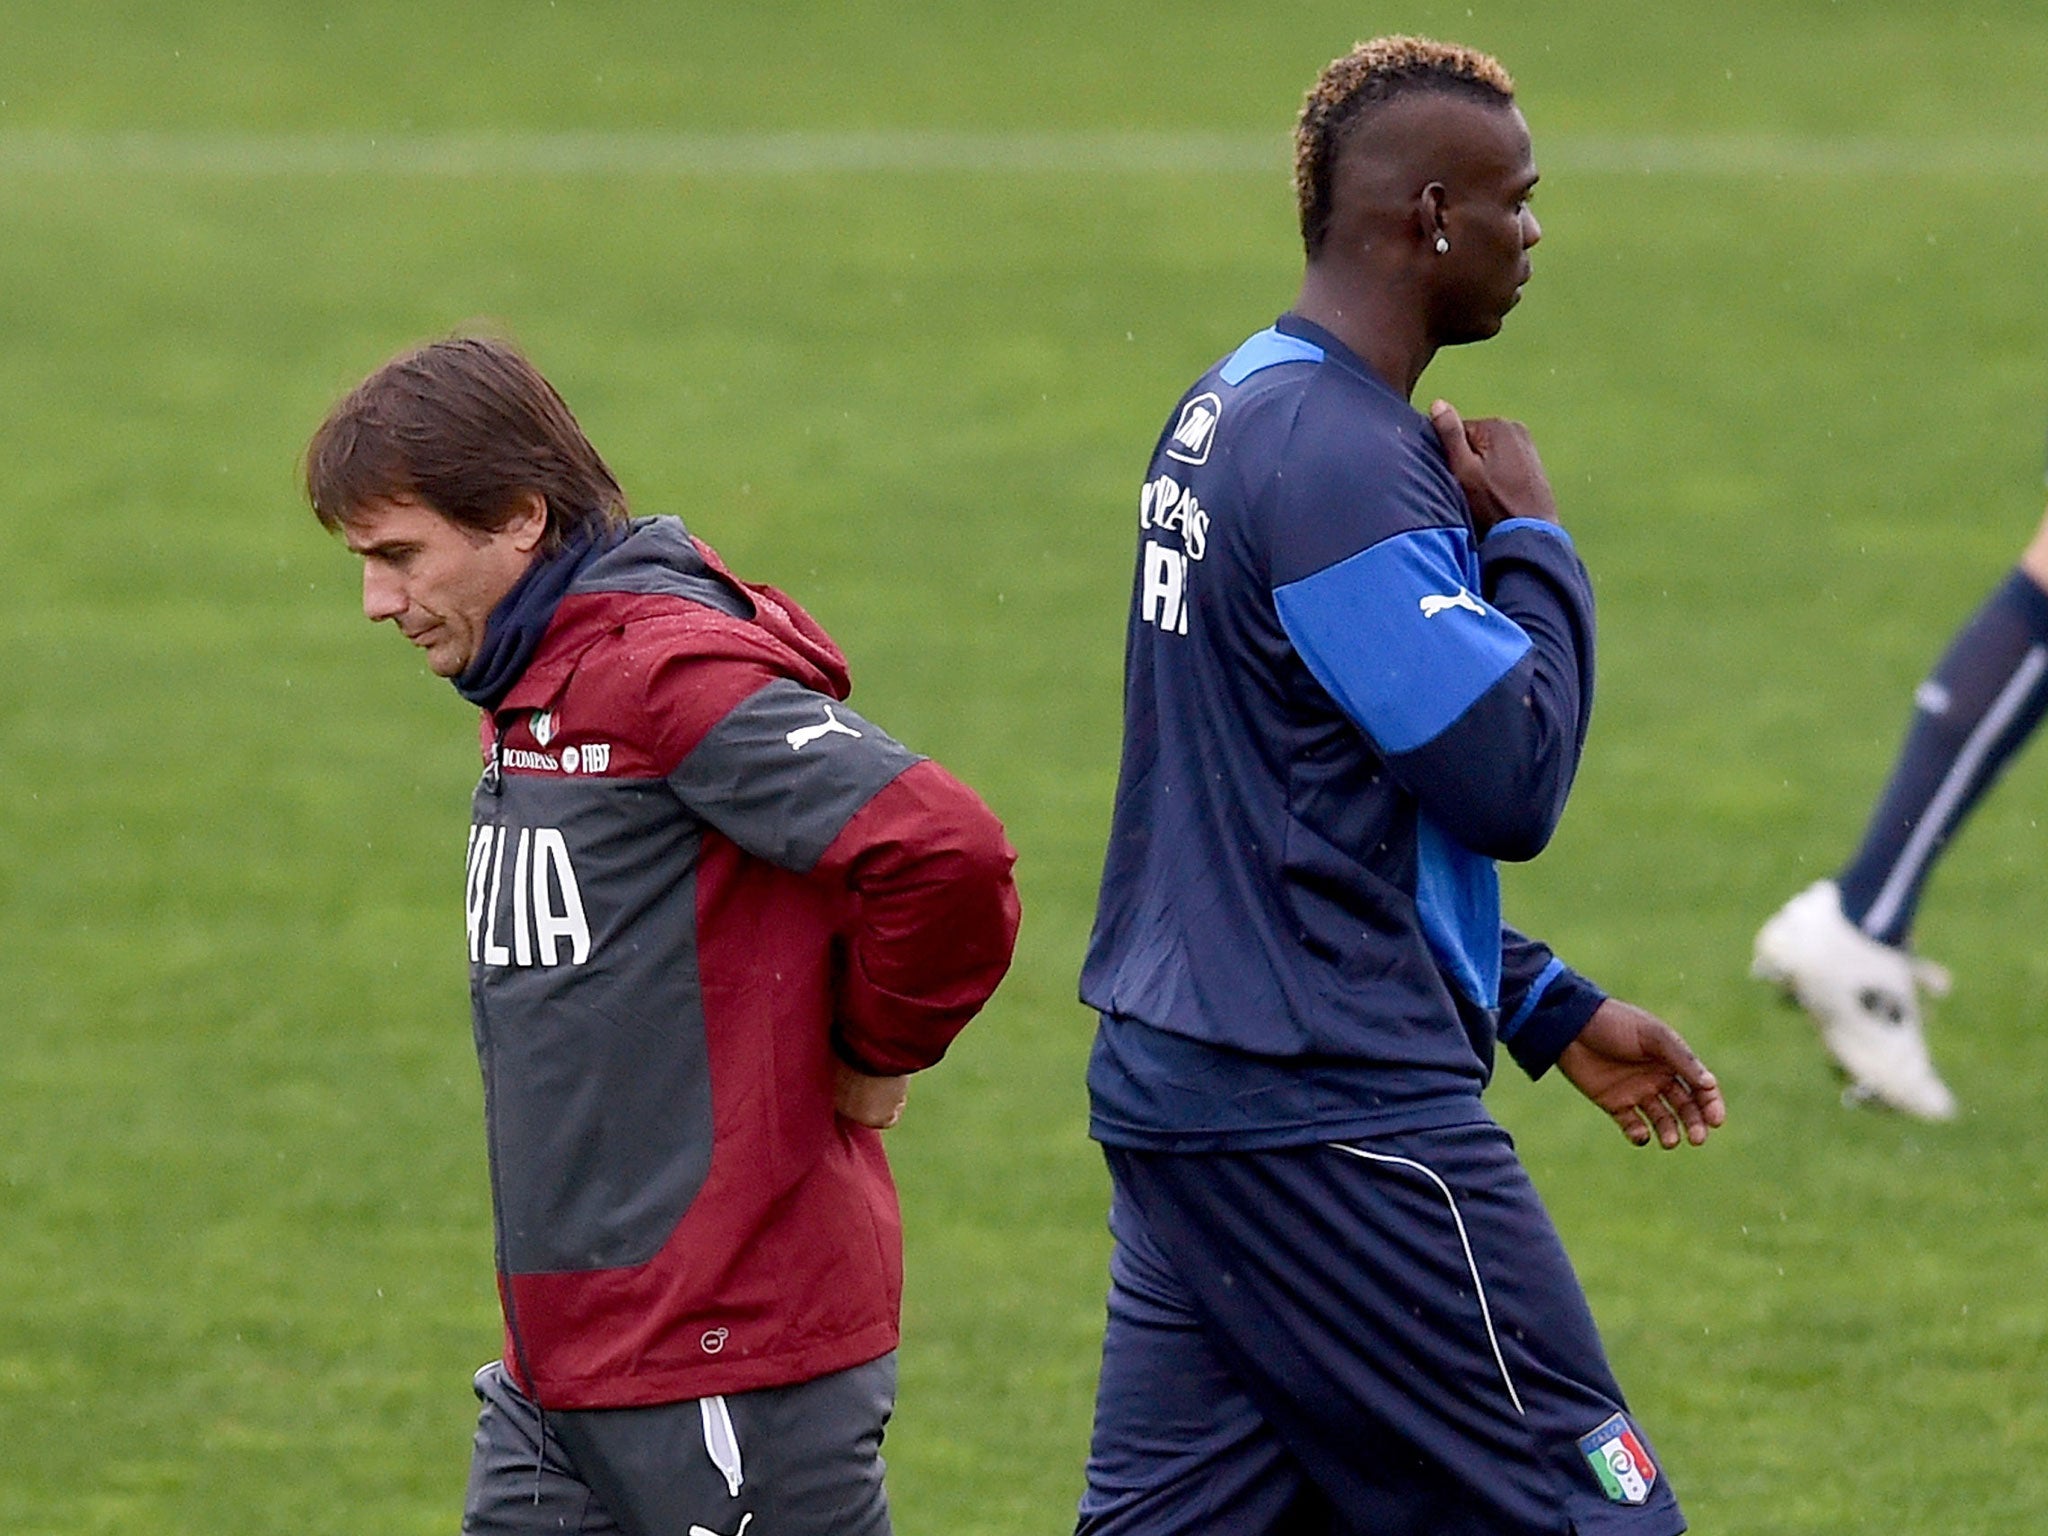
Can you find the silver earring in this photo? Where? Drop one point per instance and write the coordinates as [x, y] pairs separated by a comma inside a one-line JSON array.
[[1443, 246]]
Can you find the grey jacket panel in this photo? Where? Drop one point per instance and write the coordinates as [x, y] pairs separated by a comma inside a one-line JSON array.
[[786, 770], [580, 894], [659, 559]]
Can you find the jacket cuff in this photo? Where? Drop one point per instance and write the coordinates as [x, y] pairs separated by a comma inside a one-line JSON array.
[[1532, 524], [855, 1060], [1552, 1021]]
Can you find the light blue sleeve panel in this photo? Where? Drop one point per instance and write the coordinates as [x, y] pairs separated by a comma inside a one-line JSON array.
[[1268, 348], [1399, 637], [1457, 897]]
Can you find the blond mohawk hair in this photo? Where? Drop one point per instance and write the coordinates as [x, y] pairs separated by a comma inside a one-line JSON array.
[[1374, 72]]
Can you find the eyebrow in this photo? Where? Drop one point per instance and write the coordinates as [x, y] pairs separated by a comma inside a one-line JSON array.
[[381, 547]]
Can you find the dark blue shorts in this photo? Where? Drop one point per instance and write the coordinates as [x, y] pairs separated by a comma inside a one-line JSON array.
[[1381, 1337]]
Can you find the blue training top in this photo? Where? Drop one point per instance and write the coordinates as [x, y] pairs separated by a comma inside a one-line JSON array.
[[1340, 708]]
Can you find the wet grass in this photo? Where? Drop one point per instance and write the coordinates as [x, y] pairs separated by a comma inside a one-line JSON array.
[[1793, 413]]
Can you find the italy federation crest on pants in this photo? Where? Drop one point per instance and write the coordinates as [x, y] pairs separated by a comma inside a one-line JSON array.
[[1619, 1461]]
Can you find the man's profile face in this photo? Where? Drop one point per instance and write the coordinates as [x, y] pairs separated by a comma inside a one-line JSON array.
[[437, 580], [1489, 174]]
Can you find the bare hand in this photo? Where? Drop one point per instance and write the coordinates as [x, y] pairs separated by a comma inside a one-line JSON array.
[[1495, 462], [876, 1102], [1641, 1071]]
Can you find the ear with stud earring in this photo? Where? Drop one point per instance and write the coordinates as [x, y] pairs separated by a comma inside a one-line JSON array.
[[1443, 245]]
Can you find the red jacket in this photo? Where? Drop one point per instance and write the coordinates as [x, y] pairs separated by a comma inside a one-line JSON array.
[[695, 875]]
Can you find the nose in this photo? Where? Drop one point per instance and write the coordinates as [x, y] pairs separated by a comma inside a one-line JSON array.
[[1531, 230], [383, 598]]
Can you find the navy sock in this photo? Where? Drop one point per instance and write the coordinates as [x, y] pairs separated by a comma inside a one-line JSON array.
[[1976, 710]]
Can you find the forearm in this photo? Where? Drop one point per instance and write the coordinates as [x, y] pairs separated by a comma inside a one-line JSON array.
[[1498, 777], [1496, 782], [1479, 709], [1544, 1003], [932, 920]]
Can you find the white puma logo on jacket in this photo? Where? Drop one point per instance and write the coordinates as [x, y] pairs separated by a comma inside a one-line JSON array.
[[803, 736]]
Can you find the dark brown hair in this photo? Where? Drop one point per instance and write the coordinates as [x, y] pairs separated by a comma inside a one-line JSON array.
[[1372, 72], [468, 426]]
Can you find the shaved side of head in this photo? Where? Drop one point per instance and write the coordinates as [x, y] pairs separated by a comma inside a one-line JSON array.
[[1346, 119]]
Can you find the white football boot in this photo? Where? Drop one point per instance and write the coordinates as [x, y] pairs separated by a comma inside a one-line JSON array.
[[1864, 999]]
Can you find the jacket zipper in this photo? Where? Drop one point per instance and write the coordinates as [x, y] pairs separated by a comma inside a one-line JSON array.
[[494, 786]]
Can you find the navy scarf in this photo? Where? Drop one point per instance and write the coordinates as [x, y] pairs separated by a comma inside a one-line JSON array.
[[522, 616]]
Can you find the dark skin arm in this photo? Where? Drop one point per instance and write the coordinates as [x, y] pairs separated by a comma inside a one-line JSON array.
[[1626, 1060], [1642, 1073]]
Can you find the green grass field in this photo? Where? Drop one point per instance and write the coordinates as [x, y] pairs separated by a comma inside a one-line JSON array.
[[889, 300]]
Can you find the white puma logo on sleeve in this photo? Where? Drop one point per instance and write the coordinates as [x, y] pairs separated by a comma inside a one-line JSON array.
[[1435, 603], [803, 736]]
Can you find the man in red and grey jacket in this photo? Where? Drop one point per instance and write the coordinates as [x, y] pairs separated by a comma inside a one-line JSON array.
[[716, 917]]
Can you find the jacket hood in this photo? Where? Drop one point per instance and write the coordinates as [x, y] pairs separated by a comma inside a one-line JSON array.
[[659, 561]]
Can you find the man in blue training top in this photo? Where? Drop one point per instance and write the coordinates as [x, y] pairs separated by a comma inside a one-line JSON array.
[[1359, 670]]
